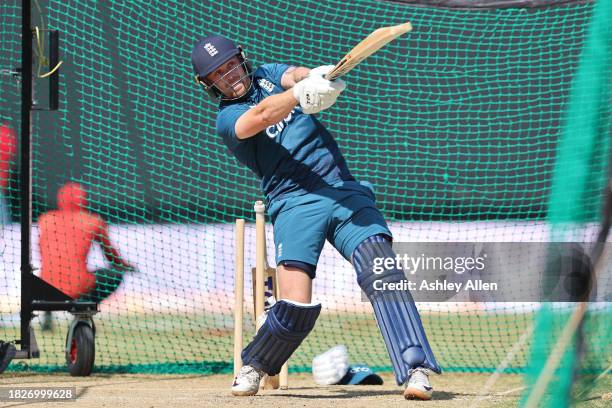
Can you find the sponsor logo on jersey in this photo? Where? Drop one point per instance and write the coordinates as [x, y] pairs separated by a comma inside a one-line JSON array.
[[275, 130]]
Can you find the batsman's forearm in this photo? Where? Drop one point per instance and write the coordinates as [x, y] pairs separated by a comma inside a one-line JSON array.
[[300, 73], [275, 108]]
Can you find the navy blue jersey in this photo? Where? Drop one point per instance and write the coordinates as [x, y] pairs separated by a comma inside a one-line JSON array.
[[294, 156]]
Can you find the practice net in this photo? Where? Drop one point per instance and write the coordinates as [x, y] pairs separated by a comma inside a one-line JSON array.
[[456, 124]]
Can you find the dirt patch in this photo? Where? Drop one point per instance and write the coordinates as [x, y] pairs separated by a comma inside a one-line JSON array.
[[148, 391]]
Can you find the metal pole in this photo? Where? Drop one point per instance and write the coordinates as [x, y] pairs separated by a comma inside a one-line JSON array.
[[25, 175]]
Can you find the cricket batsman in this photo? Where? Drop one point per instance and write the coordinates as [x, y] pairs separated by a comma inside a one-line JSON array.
[[266, 118]]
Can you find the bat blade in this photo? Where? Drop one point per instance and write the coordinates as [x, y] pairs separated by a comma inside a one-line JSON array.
[[368, 46]]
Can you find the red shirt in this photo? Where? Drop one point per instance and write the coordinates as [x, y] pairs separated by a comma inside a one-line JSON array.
[[65, 240], [8, 146]]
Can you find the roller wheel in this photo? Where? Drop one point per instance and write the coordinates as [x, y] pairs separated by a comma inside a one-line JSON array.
[[81, 351], [7, 353]]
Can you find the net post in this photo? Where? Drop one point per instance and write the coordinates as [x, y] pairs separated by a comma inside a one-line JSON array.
[[26, 175]]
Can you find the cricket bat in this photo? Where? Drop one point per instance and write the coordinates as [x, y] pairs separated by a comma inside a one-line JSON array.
[[372, 43]]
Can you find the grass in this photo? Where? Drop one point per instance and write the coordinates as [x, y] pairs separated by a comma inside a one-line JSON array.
[[469, 342], [461, 342]]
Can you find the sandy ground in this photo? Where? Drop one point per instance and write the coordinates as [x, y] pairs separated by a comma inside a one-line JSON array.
[[149, 391], [146, 391]]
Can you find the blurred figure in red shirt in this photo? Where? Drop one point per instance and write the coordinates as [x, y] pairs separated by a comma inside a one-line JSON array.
[[66, 236], [8, 147]]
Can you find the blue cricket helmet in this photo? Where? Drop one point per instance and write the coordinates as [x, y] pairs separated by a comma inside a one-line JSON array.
[[209, 53]]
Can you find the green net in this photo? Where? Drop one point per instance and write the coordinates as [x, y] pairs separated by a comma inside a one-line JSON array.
[[583, 152], [455, 124]]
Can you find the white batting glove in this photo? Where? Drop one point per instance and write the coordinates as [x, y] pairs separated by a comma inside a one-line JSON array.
[[321, 71], [317, 93], [329, 368], [338, 84]]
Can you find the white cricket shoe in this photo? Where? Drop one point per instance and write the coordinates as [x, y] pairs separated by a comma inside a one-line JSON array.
[[418, 386], [247, 381]]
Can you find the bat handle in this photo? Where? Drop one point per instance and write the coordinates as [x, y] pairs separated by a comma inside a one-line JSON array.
[[259, 207]]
